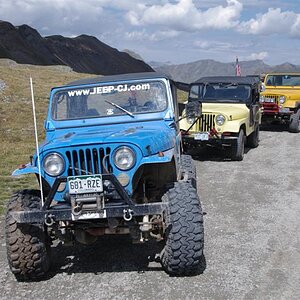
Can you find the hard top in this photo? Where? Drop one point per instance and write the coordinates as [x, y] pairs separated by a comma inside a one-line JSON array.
[[119, 77], [228, 79], [283, 73]]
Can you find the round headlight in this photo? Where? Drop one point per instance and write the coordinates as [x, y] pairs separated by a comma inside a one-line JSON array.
[[54, 164], [220, 119], [282, 99], [124, 158], [262, 99]]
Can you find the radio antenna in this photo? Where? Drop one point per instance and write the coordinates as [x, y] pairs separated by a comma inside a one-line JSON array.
[[36, 142]]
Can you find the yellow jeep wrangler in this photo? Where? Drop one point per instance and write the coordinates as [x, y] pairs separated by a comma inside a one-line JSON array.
[[230, 116], [281, 99]]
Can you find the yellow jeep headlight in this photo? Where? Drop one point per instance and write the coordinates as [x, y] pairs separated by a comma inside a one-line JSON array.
[[220, 119], [282, 99]]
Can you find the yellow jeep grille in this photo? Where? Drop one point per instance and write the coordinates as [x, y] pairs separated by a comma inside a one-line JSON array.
[[205, 123], [271, 98]]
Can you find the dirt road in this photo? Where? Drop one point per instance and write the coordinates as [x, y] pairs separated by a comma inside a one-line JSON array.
[[252, 240]]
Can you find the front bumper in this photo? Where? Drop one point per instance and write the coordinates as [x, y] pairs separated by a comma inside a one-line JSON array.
[[272, 109], [63, 212], [189, 141]]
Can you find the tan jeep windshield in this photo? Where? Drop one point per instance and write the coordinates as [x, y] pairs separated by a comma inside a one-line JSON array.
[[109, 100], [282, 80], [222, 92]]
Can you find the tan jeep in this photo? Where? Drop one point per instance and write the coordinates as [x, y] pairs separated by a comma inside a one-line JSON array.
[[230, 116], [281, 99]]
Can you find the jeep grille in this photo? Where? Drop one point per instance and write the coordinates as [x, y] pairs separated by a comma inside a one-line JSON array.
[[88, 161], [206, 122], [271, 98]]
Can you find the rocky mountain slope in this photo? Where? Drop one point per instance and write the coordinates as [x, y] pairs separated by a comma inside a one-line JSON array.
[[84, 53]]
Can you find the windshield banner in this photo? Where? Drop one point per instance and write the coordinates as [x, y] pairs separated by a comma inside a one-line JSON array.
[[110, 89]]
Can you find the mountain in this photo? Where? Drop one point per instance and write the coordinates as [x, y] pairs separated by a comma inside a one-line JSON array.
[[157, 64], [133, 54], [83, 53], [190, 72]]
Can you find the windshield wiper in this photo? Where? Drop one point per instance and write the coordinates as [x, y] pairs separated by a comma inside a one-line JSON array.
[[121, 108]]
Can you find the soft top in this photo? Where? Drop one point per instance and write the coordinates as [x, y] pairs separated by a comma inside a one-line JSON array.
[[228, 79], [119, 77]]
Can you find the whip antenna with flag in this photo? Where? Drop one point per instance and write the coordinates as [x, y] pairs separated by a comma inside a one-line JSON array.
[[237, 68]]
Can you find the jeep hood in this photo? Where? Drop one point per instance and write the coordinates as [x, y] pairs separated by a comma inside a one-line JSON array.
[[231, 111], [287, 91], [150, 140]]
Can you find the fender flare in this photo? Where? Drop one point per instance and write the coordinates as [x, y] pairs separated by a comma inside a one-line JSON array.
[[27, 169]]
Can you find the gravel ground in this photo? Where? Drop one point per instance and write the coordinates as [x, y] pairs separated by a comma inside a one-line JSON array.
[[2, 85], [252, 239]]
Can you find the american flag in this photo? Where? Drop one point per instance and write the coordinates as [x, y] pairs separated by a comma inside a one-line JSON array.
[[237, 68]]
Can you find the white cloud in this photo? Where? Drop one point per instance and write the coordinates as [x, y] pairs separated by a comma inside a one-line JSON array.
[[260, 55], [143, 35], [212, 45], [274, 21], [185, 16], [54, 17]]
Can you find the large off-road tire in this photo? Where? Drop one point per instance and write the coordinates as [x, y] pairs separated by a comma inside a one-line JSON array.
[[184, 236], [294, 125], [189, 169], [238, 148], [28, 249], [253, 138]]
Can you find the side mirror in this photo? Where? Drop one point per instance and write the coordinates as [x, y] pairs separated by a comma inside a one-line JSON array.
[[193, 109], [262, 87]]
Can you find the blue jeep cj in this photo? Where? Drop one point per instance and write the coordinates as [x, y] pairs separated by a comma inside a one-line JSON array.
[[111, 163]]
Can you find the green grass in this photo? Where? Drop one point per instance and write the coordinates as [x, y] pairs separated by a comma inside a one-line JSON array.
[[16, 120]]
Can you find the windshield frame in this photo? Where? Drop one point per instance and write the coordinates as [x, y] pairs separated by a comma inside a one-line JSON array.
[[220, 100], [56, 91], [271, 80]]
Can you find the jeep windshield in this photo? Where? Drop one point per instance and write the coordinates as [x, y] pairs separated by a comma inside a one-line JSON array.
[[282, 80], [109, 100], [221, 92]]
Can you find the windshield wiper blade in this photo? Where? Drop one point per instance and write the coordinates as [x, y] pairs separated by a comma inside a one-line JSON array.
[[121, 108]]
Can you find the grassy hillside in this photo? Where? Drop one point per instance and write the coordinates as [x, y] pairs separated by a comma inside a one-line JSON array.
[[16, 121]]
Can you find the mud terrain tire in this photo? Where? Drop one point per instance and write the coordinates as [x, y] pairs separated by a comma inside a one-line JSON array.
[[238, 148], [28, 250], [189, 169], [253, 138], [184, 237], [294, 125]]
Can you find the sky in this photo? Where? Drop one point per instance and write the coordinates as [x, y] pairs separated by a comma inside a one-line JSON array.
[[175, 31]]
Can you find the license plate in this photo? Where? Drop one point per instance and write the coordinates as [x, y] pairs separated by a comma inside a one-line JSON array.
[[284, 110], [201, 136], [85, 184], [269, 100]]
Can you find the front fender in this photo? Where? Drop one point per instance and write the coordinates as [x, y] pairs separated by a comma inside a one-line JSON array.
[[234, 126], [161, 157], [26, 169]]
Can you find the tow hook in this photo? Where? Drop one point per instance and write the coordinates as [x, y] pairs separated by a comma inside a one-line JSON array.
[[49, 220], [127, 214]]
